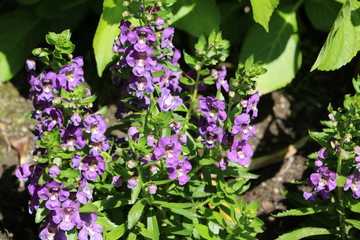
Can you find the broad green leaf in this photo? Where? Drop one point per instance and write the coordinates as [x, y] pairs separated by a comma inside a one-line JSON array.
[[147, 233], [41, 213], [117, 232], [196, 17], [72, 234], [277, 50], [111, 202], [106, 32], [184, 213], [301, 211], [322, 13], [20, 32], [262, 11], [135, 213], [88, 208], [343, 41], [106, 223], [304, 232], [353, 222]]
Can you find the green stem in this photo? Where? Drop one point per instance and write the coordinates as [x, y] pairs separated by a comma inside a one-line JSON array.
[[193, 98], [341, 208]]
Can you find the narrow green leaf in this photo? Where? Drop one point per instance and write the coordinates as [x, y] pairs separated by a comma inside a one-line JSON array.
[[276, 50], [175, 205], [204, 232], [301, 211], [202, 12], [111, 202], [72, 234], [87, 100], [262, 11], [147, 233], [304, 232], [135, 213], [153, 226], [106, 32], [185, 213], [117, 232], [88, 208], [186, 81], [106, 223], [135, 193], [131, 236], [342, 43], [354, 223]]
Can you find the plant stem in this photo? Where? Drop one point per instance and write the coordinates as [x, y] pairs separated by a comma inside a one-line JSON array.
[[340, 209], [193, 98]]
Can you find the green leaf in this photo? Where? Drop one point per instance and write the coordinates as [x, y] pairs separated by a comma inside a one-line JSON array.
[[304, 232], [175, 205], [186, 81], [342, 43], [88, 208], [185, 213], [106, 32], [87, 100], [196, 17], [354, 223], [106, 223], [117, 232], [41, 213], [20, 32], [147, 233], [170, 66], [301, 211], [277, 50], [131, 236], [322, 13], [135, 193], [111, 202], [72, 234], [153, 226], [262, 11], [69, 173], [135, 213], [204, 232]]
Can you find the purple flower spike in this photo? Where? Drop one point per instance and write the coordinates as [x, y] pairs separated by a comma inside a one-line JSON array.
[[353, 182], [167, 101], [179, 168], [92, 167], [240, 152], [90, 228]]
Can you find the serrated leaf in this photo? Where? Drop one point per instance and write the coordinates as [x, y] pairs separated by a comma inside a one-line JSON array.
[[304, 232], [301, 211], [106, 32], [342, 43], [262, 11], [202, 12], [276, 50], [322, 13], [135, 213]]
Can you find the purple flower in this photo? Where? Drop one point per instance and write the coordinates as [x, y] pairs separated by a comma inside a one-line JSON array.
[[92, 166], [30, 65], [166, 38], [76, 119], [323, 182], [212, 134], [117, 181], [168, 146], [25, 171], [90, 228], [252, 104], [183, 139], [322, 154], [54, 194], [52, 232], [221, 82], [84, 193], [140, 61], [223, 164], [132, 182], [167, 101], [54, 171], [141, 37], [151, 141], [71, 75], [212, 108], [73, 138], [96, 125], [159, 23], [68, 216], [98, 147], [152, 188], [141, 84], [240, 152], [134, 133], [178, 168], [175, 127], [353, 182]]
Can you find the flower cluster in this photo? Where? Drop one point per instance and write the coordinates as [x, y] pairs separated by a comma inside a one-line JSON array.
[[69, 141], [144, 56]]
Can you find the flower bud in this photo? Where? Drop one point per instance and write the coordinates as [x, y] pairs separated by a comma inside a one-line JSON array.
[[152, 188]]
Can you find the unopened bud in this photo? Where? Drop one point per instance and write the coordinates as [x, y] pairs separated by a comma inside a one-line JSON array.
[[159, 3], [232, 94], [222, 58], [125, 14], [125, 3], [214, 62], [197, 67], [131, 164]]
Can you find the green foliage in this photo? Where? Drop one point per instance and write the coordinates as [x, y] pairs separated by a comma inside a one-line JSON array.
[[262, 11], [342, 43], [304, 232], [276, 50]]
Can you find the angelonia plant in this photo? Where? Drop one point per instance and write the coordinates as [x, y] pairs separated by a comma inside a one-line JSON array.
[[179, 172], [335, 184]]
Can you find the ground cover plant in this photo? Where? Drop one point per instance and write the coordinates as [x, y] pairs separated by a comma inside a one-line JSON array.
[[181, 168]]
